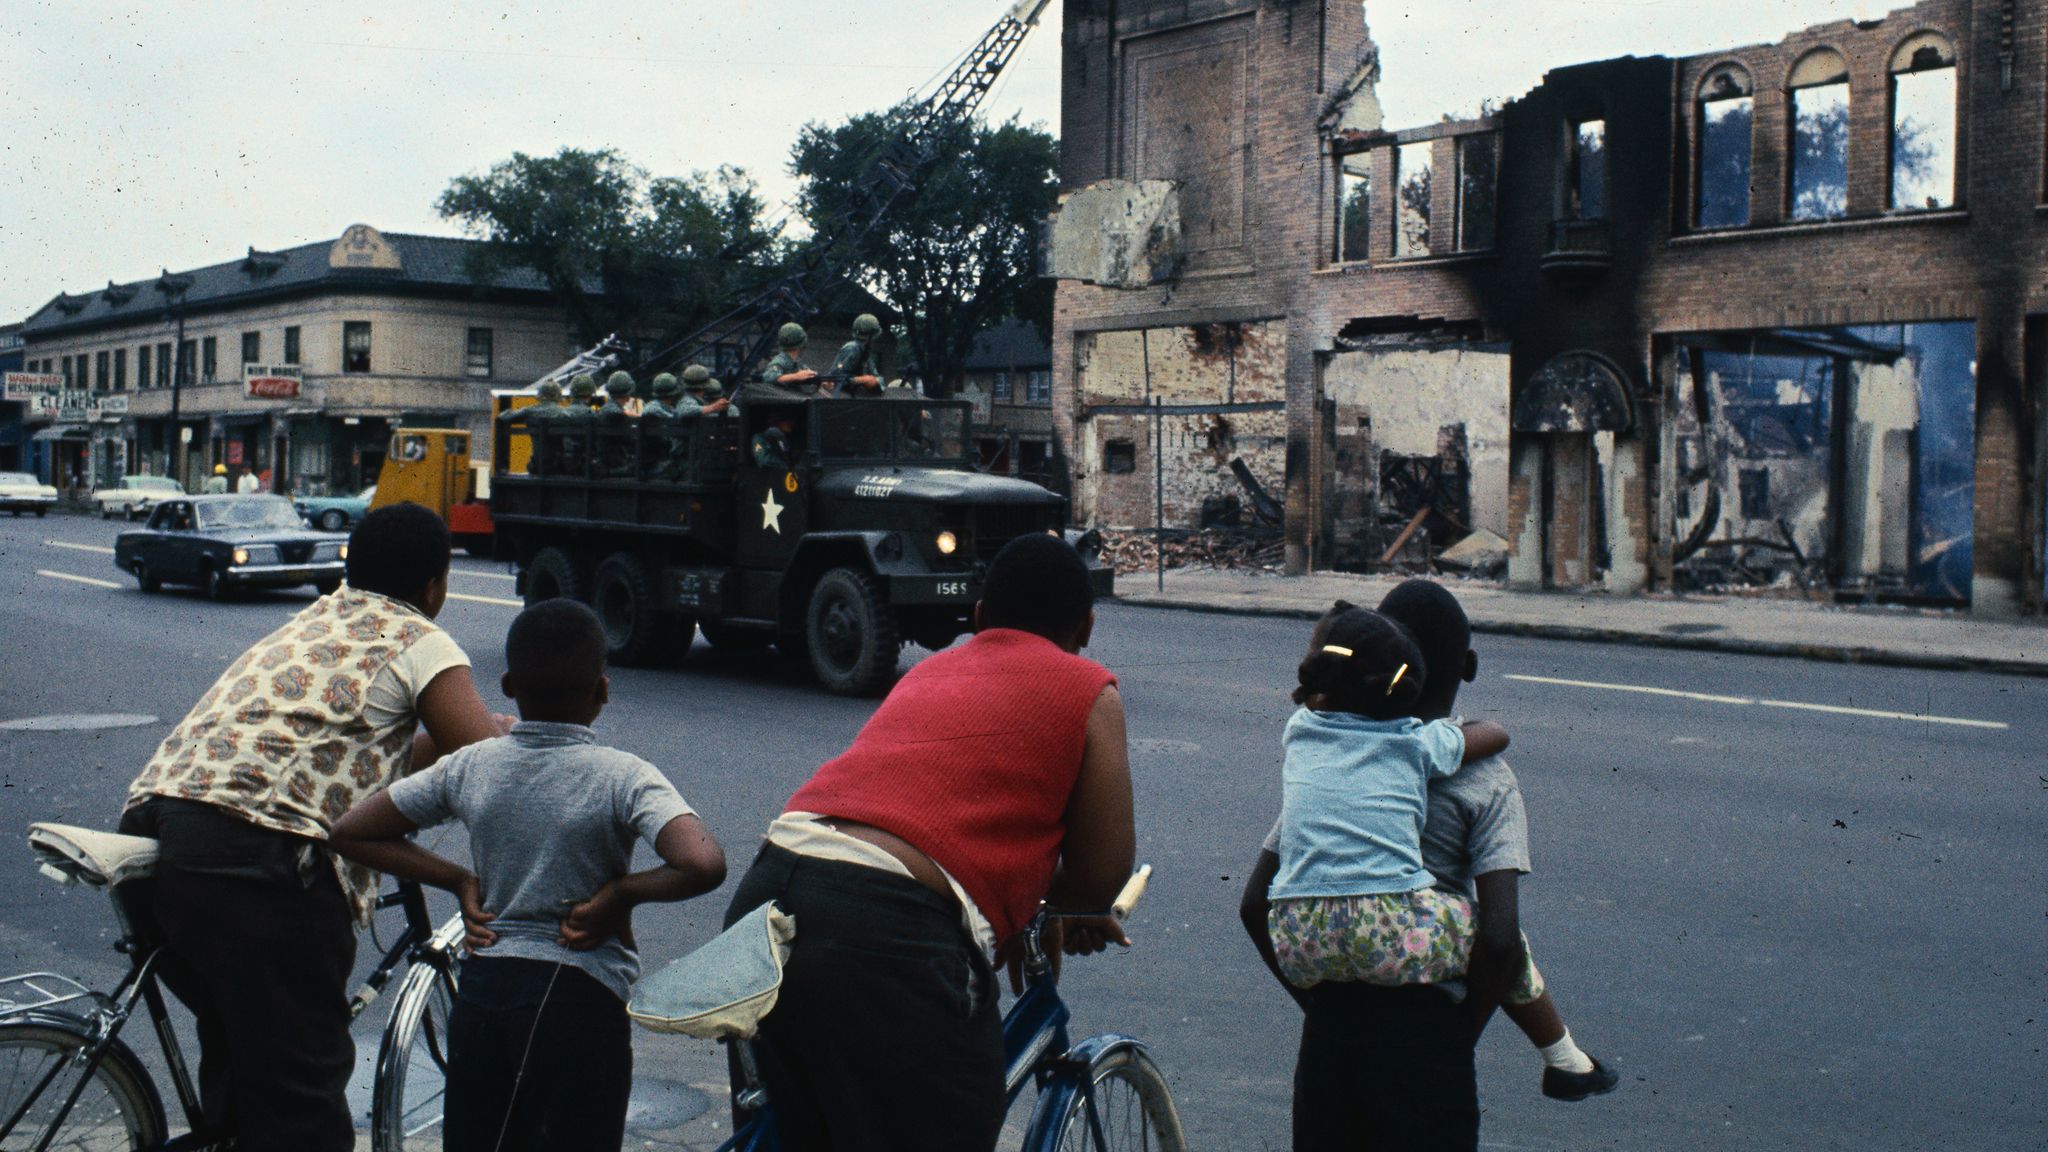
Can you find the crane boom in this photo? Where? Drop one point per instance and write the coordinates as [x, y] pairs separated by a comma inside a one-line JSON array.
[[819, 268]]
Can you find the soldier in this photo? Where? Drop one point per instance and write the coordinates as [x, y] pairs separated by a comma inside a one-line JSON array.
[[548, 407], [772, 448], [669, 405], [667, 402], [617, 435], [786, 369], [579, 415], [706, 393], [619, 389], [857, 360]]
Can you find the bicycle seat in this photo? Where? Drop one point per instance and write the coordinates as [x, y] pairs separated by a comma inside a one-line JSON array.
[[73, 855]]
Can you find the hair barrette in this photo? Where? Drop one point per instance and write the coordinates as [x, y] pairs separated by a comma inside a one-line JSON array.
[[1403, 671], [1341, 651]]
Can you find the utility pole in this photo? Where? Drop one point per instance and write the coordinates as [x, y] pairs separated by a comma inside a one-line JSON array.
[[174, 288]]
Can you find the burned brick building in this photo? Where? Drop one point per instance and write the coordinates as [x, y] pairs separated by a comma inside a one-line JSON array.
[[1768, 315]]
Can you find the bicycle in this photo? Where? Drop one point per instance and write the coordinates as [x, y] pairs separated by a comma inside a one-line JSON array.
[[1104, 1094], [51, 1025]]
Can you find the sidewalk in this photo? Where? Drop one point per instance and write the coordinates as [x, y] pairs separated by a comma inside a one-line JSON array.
[[1914, 638]]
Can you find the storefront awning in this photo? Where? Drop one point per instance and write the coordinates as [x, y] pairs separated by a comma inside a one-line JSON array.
[[63, 432]]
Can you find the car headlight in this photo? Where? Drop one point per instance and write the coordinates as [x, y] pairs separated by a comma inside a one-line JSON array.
[[256, 554], [948, 543], [331, 552], [241, 555]]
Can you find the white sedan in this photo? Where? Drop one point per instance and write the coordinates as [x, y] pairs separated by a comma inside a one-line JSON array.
[[21, 492], [134, 496]]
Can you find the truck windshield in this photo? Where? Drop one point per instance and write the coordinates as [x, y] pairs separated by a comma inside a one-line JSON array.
[[891, 430]]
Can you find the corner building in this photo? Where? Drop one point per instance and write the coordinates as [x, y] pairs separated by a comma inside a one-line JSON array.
[[1767, 316]]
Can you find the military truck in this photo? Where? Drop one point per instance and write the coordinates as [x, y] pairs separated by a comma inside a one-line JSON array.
[[867, 526]]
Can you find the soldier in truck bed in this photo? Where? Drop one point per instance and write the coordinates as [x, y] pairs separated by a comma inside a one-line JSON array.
[[785, 369], [857, 362], [706, 395], [772, 448]]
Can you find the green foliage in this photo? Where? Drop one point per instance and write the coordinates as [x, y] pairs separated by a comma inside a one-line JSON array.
[[622, 253], [958, 256]]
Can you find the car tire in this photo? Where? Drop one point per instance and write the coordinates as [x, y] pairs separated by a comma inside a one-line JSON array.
[[851, 634], [333, 520], [214, 583], [106, 513], [134, 513], [42, 512], [623, 595], [557, 572], [327, 587], [144, 580]]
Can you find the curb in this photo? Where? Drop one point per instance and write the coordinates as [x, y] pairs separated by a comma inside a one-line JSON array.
[[1829, 653]]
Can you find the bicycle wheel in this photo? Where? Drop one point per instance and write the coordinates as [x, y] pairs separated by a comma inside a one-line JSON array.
[[412, 1063], [1132, 1109], [118, 1108]]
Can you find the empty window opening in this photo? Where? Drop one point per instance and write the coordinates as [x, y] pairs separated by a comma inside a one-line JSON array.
[[1923, 91], [1354, 206], [120, 369], [1478, 165], [209, 359], [252, 347], [1586, 172], [1726, 115], [1820, 136], [1411, 185], [291, 345], [1120, 456], [477, 355]]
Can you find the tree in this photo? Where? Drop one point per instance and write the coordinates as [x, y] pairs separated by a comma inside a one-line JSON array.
[[622, 253], [957, 255]]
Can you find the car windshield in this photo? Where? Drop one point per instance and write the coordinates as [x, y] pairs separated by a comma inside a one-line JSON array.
[[16, 478], [254, 512], [154, 484], [891, 430]]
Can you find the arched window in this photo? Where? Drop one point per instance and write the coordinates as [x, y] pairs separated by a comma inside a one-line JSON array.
[[1820, 136], [1722, 128], [1923, 72]]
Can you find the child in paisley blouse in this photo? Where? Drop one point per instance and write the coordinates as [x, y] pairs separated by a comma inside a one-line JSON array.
[[1352, 900]]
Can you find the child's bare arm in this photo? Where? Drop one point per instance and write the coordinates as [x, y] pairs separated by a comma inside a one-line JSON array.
[[1484, 738], [374, 832], [1252, 909], [692, 864]]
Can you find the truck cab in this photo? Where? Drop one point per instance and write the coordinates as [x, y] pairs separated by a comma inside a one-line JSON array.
[[868, 527]]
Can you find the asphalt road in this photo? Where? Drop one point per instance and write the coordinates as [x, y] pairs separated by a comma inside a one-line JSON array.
[[1800, 905]]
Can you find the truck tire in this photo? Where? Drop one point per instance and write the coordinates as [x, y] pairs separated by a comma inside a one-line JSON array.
[[557, 572], [624, 596], [726, 638], [851, 634]]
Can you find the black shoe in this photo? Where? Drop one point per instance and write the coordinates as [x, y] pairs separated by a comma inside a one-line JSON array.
[[1559, 1084]]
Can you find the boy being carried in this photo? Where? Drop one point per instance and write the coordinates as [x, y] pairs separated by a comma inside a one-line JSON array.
[[539, 1050]]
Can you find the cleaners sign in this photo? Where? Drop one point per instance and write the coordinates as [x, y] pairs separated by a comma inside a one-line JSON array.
[[272, 381]]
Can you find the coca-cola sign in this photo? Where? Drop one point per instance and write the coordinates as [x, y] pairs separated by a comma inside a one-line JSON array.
[[272, 381]]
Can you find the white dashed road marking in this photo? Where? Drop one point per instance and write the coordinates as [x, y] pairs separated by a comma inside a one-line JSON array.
[[1835, 708], [79, 579], [476, 599], [80, 547]]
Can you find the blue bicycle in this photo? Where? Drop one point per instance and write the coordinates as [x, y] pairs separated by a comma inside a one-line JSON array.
[[1104, 1094]]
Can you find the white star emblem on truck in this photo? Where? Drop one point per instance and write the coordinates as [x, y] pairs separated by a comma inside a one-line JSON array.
[[771, 513]]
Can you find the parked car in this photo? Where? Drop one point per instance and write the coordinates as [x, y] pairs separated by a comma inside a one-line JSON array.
[[134, 496], [21, 492], [226, 543], [335, 513]]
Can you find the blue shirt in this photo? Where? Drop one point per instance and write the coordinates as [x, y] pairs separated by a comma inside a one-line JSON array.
[[1353, 798]]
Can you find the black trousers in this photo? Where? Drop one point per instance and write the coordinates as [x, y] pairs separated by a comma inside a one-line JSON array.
[[886, 1034], [1385, 1069], [259, 945], [540, 1059]]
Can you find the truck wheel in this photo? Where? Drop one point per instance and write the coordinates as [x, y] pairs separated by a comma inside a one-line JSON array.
[[333, 520], [726, 638], [851, 634], [557, 573], [623, 595]]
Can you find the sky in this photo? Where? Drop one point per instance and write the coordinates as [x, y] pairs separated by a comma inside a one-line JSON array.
[[179, 134]]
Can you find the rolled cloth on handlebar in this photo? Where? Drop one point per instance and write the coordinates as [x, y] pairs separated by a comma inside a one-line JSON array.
[[1133, 889]]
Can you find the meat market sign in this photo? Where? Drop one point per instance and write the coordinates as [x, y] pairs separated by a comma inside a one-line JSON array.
[[272, 381]]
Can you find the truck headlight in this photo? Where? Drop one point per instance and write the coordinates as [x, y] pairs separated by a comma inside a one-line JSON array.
[[948, 543]]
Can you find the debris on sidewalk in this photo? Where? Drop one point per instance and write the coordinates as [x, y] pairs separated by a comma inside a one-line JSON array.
[[1136, 551]]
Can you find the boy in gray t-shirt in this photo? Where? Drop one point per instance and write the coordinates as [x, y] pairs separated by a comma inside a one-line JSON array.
[[540, 1055]]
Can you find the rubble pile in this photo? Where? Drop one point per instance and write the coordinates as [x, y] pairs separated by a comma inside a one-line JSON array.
[[1242, 551]]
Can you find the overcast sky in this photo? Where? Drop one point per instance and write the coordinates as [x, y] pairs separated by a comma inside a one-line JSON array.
[[178, 134]]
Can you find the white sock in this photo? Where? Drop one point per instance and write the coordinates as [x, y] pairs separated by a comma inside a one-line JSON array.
[[1565, 1055]]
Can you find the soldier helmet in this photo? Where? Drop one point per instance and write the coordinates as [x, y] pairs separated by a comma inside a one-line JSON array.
[[620, 384], [551, 391], [695, 376], [665, 385], [582, 385], [713, 389], [865, 326], [791, 335]]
